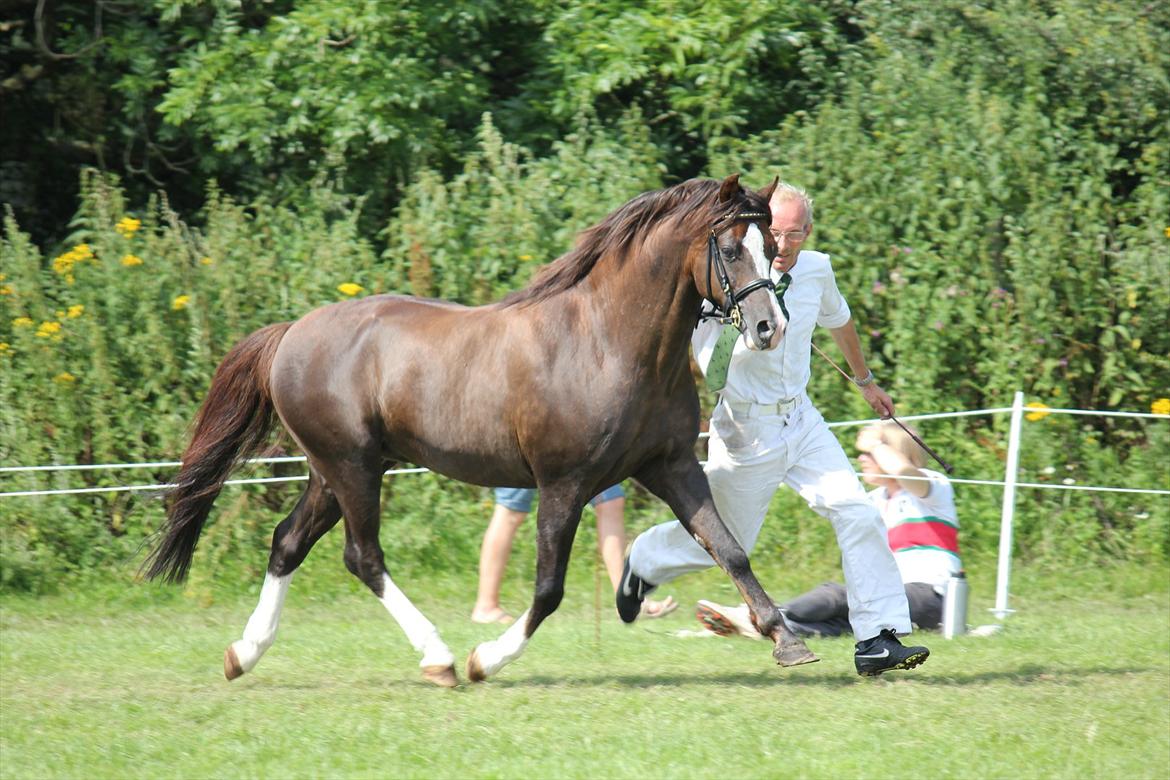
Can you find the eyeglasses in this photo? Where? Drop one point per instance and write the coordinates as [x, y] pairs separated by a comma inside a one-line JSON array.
[[794, 236]]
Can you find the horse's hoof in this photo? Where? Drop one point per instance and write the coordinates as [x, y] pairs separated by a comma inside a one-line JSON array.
[[793, 654], [443, 676], [231, 664], [475, 671]]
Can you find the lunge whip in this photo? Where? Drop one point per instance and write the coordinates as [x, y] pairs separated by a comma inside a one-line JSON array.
[[948, 468]]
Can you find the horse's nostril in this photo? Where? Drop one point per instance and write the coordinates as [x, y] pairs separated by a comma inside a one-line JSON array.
[[765, 329]]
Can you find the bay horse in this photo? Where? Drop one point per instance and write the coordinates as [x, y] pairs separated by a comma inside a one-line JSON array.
[[596, 388]]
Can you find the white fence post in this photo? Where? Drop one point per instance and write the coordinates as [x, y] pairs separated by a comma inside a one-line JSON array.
[[1009, 502]]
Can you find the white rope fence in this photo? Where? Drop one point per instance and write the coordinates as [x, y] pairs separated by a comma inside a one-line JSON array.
[[1009, 483]]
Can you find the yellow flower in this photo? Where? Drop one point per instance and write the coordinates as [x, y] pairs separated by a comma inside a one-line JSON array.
[[63, 264], [1136, 343], [1131, 298], [22, 322], [526, 258], [48, 329], [206, 261], [1160, 406], [4, 347], [64, 378], [1167, 232], [5, 289], [349, 288], [127, 226], [1039, 411], [76, 311], [129, 260], [180, 303]]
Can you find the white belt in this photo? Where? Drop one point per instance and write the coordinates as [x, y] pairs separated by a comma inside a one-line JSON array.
[[749, 409]]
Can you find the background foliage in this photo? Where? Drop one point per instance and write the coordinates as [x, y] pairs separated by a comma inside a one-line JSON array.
[[992, 179]]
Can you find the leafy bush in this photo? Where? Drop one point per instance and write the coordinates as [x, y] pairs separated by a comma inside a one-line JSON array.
[[993, 182]]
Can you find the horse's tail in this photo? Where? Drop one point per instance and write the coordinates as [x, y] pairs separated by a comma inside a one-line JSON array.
[[233, 422]]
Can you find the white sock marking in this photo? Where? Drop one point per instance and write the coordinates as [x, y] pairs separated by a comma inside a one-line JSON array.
[[495, 655], [260, 632], [423, 635]]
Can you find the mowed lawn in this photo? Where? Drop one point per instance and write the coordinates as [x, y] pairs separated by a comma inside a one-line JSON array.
[[1077, 686]]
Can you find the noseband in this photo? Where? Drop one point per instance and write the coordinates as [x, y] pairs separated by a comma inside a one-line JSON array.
[[729, 313]]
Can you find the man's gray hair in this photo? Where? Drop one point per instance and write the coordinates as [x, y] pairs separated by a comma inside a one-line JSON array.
[[785, 192]]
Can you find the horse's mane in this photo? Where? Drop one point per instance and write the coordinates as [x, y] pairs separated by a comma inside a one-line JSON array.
[[693, 202]]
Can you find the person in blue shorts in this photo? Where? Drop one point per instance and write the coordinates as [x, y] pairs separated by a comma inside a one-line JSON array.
[[512, 506]]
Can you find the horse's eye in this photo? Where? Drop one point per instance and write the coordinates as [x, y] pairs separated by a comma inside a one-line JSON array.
[[730, 253]]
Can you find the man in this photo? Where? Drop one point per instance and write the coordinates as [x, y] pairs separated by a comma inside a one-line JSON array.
[[918, 508], [765, 432]]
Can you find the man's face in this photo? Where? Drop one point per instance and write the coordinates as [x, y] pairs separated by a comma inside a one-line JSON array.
[[790, 228]]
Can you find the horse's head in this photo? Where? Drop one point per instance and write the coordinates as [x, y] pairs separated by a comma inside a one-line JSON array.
[[737, 274]]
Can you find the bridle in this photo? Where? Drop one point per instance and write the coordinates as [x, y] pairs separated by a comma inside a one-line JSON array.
[[729, 313]]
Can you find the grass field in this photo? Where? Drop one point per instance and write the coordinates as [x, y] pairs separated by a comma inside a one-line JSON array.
[[1076, 686]]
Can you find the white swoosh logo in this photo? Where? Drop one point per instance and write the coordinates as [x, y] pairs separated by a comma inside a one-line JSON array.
[[882, 654]]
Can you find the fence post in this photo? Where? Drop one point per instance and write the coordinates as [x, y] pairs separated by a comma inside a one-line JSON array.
[[1009, 502]]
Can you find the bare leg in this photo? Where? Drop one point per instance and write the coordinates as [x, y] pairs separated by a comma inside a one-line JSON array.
[[611, 537], [493, 561], [611, 543], [683, 486], [316, 512]]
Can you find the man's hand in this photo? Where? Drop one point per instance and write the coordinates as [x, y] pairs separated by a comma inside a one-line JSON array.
[[878, 400]]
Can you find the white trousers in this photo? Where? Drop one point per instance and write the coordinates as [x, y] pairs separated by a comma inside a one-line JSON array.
[[749, 457]]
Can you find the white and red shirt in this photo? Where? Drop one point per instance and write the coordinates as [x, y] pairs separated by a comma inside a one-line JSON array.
[[923, 532]]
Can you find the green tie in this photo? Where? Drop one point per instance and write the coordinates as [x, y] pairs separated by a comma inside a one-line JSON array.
[[721, 356], [781, 288]]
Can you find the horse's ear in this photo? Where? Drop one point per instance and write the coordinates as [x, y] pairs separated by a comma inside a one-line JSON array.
[[766, 193], [729, 188]]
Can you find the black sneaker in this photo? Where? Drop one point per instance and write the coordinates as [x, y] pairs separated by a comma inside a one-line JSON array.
[[629, 594], [884, 653]]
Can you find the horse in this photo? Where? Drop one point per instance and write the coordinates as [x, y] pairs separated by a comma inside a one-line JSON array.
[[598, 388]]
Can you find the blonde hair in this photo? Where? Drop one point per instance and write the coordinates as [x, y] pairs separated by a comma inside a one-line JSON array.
[[786, 192], [900, 440]]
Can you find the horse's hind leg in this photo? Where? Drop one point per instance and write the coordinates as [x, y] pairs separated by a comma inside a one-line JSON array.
[[556, 526], [359, 495], [316, 512]]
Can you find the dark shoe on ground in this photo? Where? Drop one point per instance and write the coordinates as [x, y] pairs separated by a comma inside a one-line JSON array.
[[631, 591], [884, 653]]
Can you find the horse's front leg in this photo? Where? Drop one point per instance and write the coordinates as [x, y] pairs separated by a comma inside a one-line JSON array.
[[682, 484], [557, 518]]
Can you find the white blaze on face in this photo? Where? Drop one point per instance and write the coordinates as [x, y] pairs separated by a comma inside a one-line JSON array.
[[753, 242]]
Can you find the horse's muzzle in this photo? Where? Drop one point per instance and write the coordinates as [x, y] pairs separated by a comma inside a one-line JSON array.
[[764, 335]]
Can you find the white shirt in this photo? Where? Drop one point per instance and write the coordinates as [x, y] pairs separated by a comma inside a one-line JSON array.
[[812, 299]]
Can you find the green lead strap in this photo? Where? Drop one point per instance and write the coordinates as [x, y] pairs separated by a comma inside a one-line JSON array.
[[721, 358]]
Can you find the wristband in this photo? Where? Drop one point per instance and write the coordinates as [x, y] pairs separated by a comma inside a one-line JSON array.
[[865, 381]]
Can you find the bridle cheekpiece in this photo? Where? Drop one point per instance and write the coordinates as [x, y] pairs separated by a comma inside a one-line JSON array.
[[729, 313]]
